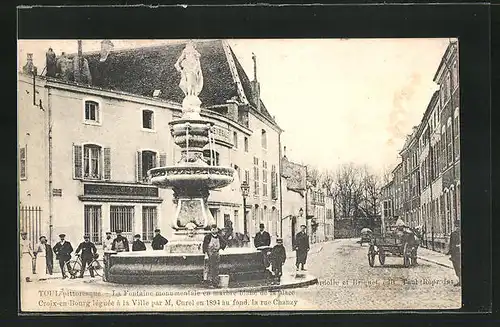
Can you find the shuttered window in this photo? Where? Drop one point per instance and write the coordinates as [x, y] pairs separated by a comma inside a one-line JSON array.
[[146, 160], [107, 163], [77, 161]]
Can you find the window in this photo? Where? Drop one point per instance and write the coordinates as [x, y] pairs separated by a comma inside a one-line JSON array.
[[456, 127], [455, 74], [212, 160], [264, 139], [122, 217], [149, 222], [92, 111], [93, 223], [274, 183], [91, 161], [256, 176], [22, 162], [235, 140], [245, 141], [147, 119], [247, 177], [449, 144], [147, 160], [238, 171], [264, 178]]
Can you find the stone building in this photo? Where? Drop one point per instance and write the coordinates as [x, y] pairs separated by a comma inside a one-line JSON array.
[[429, 172], [90, 131]]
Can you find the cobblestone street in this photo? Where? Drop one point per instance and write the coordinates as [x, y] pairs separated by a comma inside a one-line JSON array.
[[347, 282]]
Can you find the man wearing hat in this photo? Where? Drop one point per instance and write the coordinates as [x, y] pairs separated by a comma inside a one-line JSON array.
[[26, 253], [159, 241], [63, 250], [120, 243], [302, 247], [212, 243], [262, 238], [138, 245], [89, 251], [455, 251], [107, 242], [277, 258]]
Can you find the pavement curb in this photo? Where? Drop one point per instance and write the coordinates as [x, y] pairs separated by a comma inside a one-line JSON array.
[[435, 262]]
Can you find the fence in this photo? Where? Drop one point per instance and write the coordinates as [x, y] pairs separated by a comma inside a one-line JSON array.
[[31, 222]]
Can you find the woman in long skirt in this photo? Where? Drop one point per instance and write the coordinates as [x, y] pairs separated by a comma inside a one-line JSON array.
[[41, 259]]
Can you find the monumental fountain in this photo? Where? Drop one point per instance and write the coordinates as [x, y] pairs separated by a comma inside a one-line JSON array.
[[191, 179]]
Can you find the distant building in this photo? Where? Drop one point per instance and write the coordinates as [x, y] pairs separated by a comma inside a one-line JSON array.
[[88, 138], [293, 190]]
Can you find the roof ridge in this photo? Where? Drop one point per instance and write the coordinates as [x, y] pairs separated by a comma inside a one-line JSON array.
[[167, 43]]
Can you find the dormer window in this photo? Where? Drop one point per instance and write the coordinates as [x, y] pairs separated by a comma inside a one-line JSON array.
[[92, 112], [148, 119]]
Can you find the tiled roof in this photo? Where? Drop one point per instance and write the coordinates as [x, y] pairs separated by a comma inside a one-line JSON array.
[[143, 70]]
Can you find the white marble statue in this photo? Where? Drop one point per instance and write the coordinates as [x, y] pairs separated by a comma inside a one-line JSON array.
[[189, 66]]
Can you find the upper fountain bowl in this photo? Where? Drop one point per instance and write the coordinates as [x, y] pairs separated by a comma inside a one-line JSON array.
[[191, 176]]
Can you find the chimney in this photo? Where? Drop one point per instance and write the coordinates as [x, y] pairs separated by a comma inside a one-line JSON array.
[[29, 68], [81, 70], [255, 83]]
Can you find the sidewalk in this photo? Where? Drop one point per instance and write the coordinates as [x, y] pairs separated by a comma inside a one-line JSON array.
[[314, 248], [434, 257]]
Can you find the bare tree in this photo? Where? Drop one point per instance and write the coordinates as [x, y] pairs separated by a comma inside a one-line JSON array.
[[347, 190], [313, 176], [328, 181]]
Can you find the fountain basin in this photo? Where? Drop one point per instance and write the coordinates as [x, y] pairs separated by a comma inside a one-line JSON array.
[[160, 267], [192, 177]]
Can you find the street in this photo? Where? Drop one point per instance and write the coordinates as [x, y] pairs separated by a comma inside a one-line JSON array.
[[347, 282]]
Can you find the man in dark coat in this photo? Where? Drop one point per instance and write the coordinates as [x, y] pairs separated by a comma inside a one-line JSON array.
[[63, 250], [159, 241], [277, 258], [262, 238], [138, 245], [120, 243], [88, 253], [302, 247], [49, 257], [212, 243], [455, 251]]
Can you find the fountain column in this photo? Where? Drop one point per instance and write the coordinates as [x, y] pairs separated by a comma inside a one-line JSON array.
[[192, 177]]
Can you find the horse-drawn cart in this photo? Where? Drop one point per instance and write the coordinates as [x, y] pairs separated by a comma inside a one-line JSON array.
[[400, 242]]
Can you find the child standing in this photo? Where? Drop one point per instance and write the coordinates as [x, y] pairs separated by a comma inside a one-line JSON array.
[[277, 258]]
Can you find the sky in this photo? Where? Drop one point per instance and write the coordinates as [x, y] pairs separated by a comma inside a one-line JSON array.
[[337, 100]]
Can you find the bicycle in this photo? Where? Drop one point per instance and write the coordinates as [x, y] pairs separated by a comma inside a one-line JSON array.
[[75, 266]]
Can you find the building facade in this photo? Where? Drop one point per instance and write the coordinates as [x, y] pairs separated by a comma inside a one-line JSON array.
[[85, 146], [426, 182]]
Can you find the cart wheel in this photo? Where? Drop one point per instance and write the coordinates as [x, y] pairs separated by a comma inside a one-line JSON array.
[[381, 257], [406, 256], [371, 256]]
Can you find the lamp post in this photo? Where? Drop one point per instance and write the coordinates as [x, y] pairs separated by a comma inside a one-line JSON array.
[[245, 189]]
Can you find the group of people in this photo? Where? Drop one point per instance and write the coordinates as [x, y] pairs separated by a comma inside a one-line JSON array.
[[274, 257], [42, 254]]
